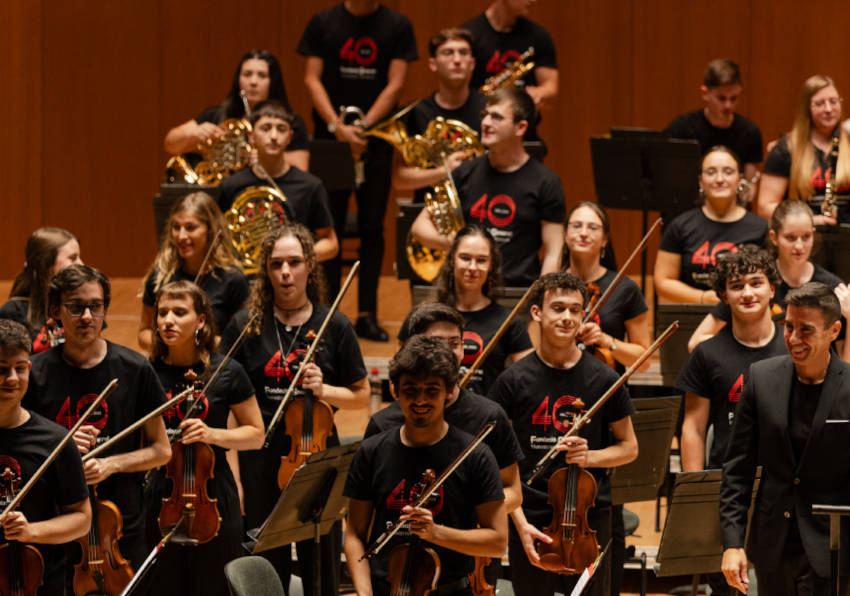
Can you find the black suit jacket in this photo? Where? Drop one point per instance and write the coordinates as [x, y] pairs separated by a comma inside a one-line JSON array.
[[788, 488]]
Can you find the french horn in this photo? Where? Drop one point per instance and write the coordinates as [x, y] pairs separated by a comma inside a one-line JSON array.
[[255, 212]]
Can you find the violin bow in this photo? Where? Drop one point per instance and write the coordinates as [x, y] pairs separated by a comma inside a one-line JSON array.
[[149, 560], [583, 419], [495, 339], [16, 500], [620, 274], [309, 356], [210, 250], [384, 538]]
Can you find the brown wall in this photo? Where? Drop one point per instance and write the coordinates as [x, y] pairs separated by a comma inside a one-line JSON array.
[[90, 87]]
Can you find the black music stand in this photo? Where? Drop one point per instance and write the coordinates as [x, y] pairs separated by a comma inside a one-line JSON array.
[[692, 542], [597, 578], [673, 353], [309, 505], [332, 162], [642, 170], [835, 513], [834, 253]]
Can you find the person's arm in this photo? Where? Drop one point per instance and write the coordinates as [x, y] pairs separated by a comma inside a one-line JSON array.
[[413, 178], [708, 328], [552, 234], [670, 288], [73, 522], [389, 95], [546, 88], [528, 535], [156, 453], [771, 190], [146, 325], [512, 486], [693, 432], [623, 451], [489, 539], [185, 137], [424, 230], [246, 434], [357, 528], [626, 352], [351, 397], [300, 158], [322, 104], [327, 244]]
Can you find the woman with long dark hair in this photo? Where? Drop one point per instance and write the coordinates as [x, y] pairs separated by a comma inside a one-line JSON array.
[[469, 281], [286, 303], [48, 250], [259, 75]]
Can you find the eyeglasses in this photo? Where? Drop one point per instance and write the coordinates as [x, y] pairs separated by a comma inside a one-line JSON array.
[[820, 104], [578, 225], [76, 309]]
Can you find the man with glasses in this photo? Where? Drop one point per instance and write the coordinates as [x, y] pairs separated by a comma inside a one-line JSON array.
[[68, 377], [306, 197], [452, 62], [518, 199]]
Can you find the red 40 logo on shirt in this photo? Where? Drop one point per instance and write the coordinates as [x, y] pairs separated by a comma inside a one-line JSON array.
[[707, 255], [499, 211], [472, 346], [178, 412], [560, 417], [363, 51], [401, 496], [737, 387], [498, 60], [276, 370], [68, 417]]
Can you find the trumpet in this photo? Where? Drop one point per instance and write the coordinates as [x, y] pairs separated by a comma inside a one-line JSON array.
[[510, 75]]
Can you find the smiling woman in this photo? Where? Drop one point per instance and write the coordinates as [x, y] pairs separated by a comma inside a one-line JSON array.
[[197, 247]]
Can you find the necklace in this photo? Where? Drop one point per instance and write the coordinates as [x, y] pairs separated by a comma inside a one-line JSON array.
[[280, 344]]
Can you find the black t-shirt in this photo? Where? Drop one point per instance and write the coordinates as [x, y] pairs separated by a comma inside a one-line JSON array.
[[356, 52], [701, 241], [625, 303], [232, 386], [742, 136], [493, 50], [338, 354], [227, 291], [512, 206], [22, 451], [479, 327], [300, 139], [384, 472], [716, 370], [722, 312], [536, 398], [61, 392], [17, 309], [469, 412], [306, 197], [801, 412]]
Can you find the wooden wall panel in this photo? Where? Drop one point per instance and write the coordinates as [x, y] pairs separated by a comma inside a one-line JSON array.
[[20, 153], [92, 87]]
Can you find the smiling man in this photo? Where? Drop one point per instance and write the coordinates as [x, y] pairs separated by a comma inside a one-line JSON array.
[[306, 197], [718, 123], [518, 199], [793, 420]]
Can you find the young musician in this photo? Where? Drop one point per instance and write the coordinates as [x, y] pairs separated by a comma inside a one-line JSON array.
[[467, 281], [258, 74], [718, 123], [792, 421], [357, 55], [518, 199], [306, 197], [196, 235], [694, 241], [501, 34], [286, 300], [48, 250], [185, 350], [65, 379], [451, 60], [465, 518], [57, 509], [538, 394]]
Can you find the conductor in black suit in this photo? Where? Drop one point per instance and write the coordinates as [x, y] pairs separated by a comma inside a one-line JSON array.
[[793, 419]]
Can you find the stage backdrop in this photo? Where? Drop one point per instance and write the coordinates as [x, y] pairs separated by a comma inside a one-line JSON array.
[[90, 88]]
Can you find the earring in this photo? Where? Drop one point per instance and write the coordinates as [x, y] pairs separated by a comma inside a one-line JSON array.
[[197, 337], [701, 195]]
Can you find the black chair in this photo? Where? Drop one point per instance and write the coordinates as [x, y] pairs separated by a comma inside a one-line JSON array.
[[253, 576]]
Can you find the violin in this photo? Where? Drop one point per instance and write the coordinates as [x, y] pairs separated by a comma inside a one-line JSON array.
[[572, 492], [23, 563], [309, 422], [478, 581], [603, 354], [412, 568], [189, 468], [102, 569]]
